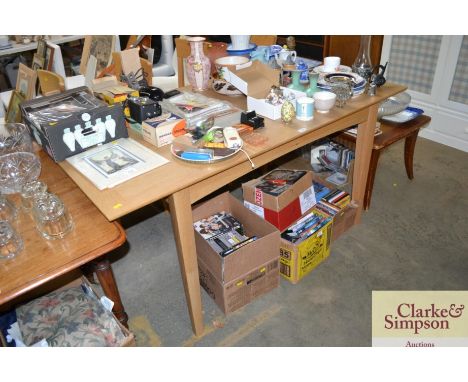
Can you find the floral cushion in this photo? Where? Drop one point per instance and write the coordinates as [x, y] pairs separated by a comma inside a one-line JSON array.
[[68, 317]]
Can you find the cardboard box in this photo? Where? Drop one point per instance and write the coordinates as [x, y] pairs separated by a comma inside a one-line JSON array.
[[298, 260], [74, 131], [162, 130], [242, 290], [284, 209], [343, 220], [246, 258], [255, 80]]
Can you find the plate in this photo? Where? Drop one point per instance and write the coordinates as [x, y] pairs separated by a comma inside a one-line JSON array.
[[184, 143], [325, 78], [404, 116], [341, 69], [241, 52]]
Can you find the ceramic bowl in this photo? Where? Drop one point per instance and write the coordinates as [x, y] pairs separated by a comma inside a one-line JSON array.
[[230, 62], [324, 101]]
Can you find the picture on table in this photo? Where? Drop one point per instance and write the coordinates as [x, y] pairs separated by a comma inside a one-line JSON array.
[[49, 57], [26, 81], [112, 160], [13, 114]]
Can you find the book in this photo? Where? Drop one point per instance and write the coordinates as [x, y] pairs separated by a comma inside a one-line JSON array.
[[279, 180]]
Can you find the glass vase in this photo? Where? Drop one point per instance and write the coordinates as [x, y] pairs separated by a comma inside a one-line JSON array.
[[312, 88], [362, 64], [198, 65]]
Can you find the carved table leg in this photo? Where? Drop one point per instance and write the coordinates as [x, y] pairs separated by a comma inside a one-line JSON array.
[[106, 278], [374, 161], [410, 144]]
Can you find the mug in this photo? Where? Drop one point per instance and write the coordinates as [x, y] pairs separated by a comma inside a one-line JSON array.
[[240, 42], [305, 109], [331, 64]]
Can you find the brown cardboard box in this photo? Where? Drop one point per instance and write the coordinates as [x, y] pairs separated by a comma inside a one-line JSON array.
[[283, 209], [343, 220], [244, 259], [298, 260], [242, 290]]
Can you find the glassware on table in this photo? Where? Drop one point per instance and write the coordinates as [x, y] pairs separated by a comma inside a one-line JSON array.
[[29, 191], [53, 221], [343, 90], [16, 169], [362, 64], [14, 137], [10, 242], [8, 211]]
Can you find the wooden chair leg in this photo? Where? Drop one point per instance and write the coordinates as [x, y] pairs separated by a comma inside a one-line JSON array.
[[371, 177], [410, 144], [106, 278]]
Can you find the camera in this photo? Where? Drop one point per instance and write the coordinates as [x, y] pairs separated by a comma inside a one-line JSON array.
[[142, 108]]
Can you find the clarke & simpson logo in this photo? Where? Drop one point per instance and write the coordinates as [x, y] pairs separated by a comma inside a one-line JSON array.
[[419, 318]]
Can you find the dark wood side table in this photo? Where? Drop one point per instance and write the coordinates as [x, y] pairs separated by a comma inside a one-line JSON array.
[[44, 260], [391, 133]]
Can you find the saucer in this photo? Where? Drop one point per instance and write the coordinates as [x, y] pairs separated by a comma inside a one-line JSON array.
[[241, 52], [341, 69]]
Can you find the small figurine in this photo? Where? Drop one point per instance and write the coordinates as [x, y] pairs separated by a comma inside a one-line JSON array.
[[275, 96]]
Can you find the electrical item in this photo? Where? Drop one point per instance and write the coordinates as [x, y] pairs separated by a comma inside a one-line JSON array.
[[142, 108]]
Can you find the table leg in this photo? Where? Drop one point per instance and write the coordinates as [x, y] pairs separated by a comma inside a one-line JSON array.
[[410, 144], [364, 141], [371, 177], [106, 278], [182, 225]]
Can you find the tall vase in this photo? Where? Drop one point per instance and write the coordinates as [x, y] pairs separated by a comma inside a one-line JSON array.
[[362, 64], [313, 77], [296, 81], [198, 65]]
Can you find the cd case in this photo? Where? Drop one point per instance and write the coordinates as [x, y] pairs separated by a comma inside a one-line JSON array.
[[113, 163]]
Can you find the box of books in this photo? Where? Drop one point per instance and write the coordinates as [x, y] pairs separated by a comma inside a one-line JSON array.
[[242, 290], [71, 122], [281, 196], [305, 244], [230, 239]]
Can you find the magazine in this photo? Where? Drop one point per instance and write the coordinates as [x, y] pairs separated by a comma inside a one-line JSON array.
[[278, 181], [115, 162]]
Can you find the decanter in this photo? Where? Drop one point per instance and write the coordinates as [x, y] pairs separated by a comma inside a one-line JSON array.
[[362, 64]]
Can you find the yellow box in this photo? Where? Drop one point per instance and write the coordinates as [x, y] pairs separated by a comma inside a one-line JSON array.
[[298, 260]]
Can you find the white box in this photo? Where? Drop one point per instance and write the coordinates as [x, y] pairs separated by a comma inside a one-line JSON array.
[[255, 80], [162, 130]]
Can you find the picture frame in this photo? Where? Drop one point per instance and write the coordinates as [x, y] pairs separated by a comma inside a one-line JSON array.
[[26, 81], [49, 57], [99, 46], [41, 47], [13, 114], [38, 62]]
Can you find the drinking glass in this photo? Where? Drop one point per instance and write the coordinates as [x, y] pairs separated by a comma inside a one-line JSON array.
[[343, 91], [30, 191], [8, 211], [53, 221], [10, 242]]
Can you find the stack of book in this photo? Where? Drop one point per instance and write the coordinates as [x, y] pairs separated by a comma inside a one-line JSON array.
[[333, 157], [338, 198], [223, 232], [306, 227]]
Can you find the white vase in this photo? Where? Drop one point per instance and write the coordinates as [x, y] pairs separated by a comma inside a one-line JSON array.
[[240, 41]]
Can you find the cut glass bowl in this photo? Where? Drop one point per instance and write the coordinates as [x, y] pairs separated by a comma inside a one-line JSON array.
[[394, 104], [16, 169], [14, 137]]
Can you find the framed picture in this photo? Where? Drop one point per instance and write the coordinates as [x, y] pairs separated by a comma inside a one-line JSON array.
[[41, 47], [100, 47], [14, 112], [49, 56], [111, 160], [38, 62], [26, 81]]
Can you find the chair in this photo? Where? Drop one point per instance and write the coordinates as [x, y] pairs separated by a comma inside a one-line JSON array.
[[50, 82]]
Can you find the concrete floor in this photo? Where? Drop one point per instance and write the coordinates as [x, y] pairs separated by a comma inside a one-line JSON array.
[[414, 237]]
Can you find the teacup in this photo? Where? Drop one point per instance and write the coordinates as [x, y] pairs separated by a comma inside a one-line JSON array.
[[240, 42], [331, 64]]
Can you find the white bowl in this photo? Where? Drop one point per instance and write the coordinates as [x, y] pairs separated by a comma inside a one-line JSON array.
[[231, 61], [324, 101]]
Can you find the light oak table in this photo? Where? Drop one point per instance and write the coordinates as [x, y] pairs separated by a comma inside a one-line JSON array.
[[183, 183], [44, 260]]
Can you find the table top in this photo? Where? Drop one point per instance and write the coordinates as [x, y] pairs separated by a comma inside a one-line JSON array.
[[43, 260], [18, 47], [177, 175], [392, 131]]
